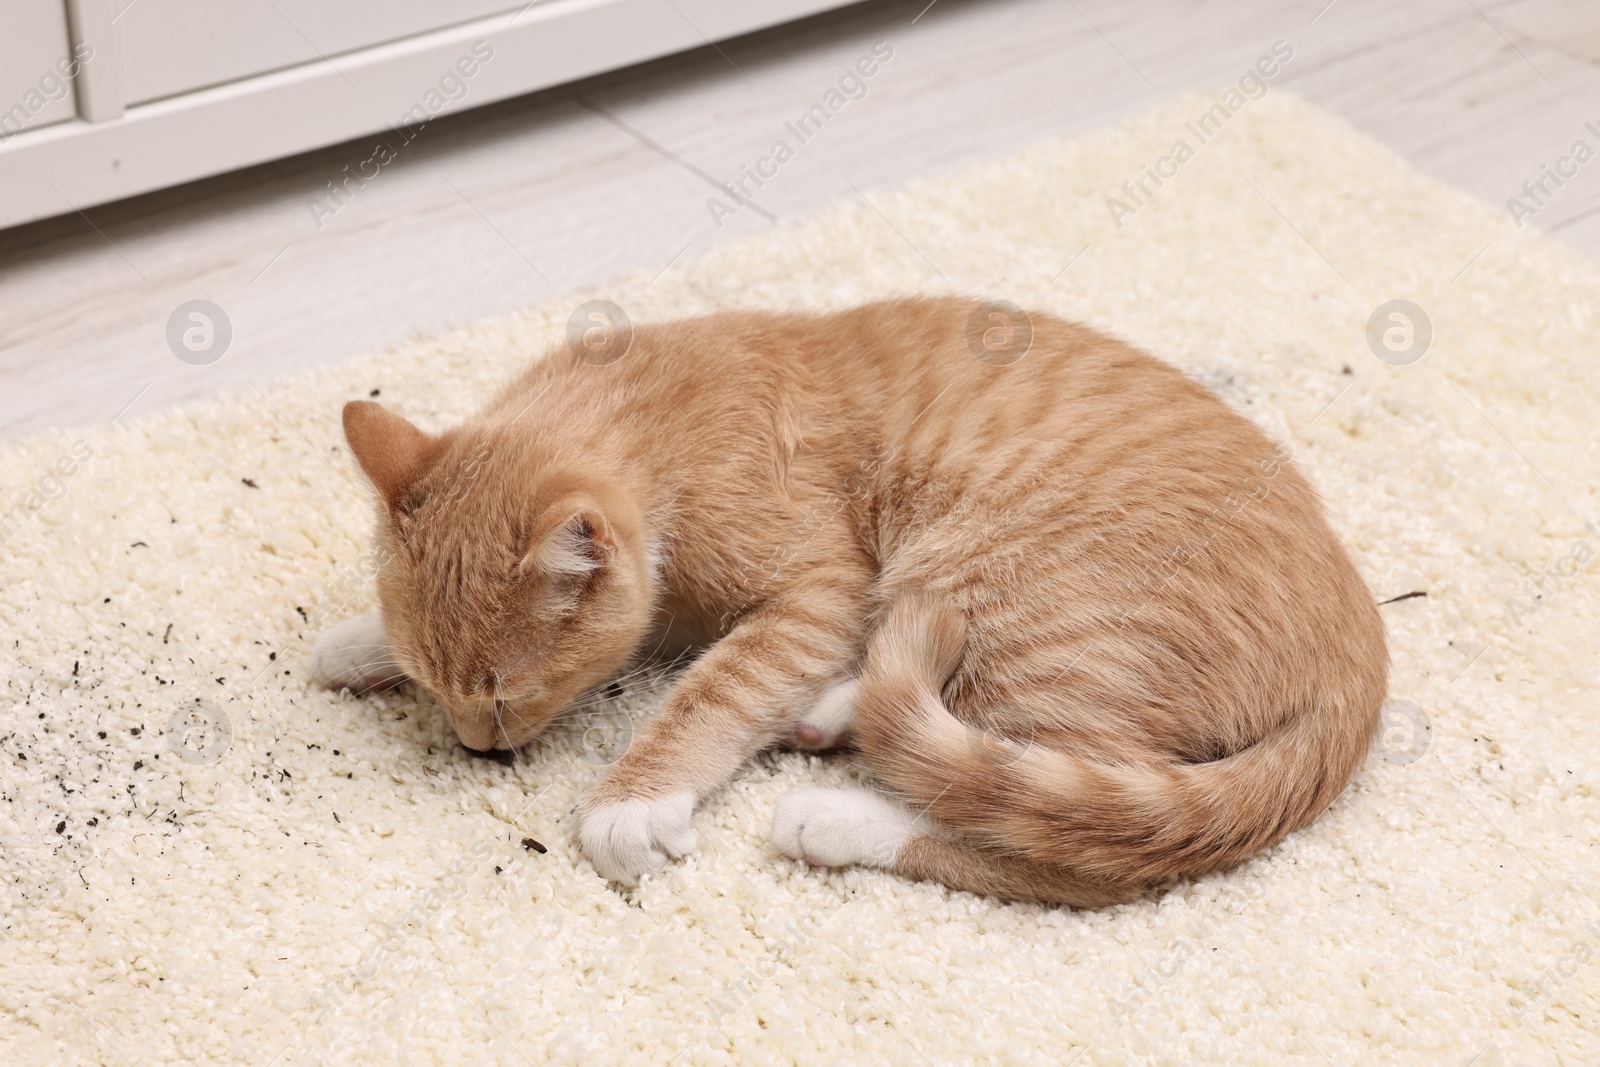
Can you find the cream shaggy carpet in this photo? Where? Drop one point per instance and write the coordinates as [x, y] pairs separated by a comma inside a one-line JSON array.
[[206, 862]]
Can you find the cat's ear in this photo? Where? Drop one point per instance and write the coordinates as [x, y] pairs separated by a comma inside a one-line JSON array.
[[574, 539], [393, 452]]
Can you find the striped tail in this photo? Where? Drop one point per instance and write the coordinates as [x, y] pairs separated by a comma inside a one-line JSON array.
[[1119, 824]]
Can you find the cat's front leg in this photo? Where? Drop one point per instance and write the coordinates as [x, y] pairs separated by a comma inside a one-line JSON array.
[[355, 655], [744, 694]]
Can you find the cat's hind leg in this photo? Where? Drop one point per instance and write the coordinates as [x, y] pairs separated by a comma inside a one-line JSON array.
[[355, 655], [841, 827], [847, 827], [827, 724]]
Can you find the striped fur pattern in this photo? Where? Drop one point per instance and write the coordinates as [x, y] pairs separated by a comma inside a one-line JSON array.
[[1087, 625]]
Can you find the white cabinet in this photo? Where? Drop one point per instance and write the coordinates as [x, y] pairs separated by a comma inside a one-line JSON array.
[[167, 91]]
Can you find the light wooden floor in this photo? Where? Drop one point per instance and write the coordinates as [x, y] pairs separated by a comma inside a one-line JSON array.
[[525, 200]]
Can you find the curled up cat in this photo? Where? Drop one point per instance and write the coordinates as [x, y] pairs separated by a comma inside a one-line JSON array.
[[1087, 626]]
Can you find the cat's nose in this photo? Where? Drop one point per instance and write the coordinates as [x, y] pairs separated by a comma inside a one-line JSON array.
[[479, 737]]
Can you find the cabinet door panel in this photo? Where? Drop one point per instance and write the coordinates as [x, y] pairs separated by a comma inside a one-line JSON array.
[[35, 61], [174, 46]]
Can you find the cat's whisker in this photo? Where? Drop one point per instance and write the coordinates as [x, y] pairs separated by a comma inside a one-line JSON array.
[[668, 668], [648, 663], [498, 706], [584, 705], [373, 660], [374, 675], [647, 660]]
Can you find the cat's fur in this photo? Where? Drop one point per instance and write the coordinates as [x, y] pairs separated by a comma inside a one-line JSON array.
[[1087, 625]]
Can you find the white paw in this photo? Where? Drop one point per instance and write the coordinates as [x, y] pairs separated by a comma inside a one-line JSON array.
[[625, 840], [838, 827], [829, 723], [355, 655]]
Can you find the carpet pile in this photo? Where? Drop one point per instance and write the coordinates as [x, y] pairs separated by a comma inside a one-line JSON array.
[[207, 861]]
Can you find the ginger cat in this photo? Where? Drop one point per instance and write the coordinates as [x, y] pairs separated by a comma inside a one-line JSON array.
[[1087, 625]]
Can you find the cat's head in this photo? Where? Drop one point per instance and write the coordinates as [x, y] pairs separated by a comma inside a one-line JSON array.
[[511, 582]]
